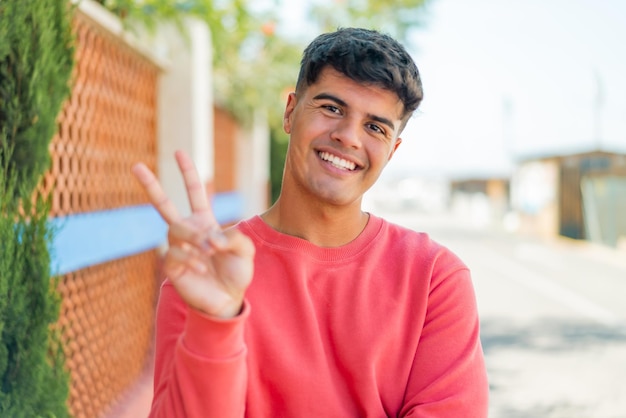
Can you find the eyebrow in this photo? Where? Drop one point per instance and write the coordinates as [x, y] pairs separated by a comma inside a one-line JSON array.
[[380, 119]]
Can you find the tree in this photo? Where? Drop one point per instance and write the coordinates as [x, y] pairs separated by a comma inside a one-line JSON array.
[[36, 60], [396, 18], [251, 64], [254, 63], [33, 378]]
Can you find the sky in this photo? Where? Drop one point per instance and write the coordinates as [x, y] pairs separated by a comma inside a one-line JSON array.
[[506, 80]]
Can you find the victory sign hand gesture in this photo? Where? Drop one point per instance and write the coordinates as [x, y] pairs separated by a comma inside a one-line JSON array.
[[210, 268]]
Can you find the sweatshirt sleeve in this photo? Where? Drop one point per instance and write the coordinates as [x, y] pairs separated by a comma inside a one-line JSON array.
[[200, 362], [449, 378]]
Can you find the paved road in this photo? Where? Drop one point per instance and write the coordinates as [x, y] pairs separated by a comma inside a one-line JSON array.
[[553, 319]]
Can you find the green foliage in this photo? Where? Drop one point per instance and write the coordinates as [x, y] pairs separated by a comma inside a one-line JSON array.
[[252, 65], [245, 47], [33, 380], [278, 150], [396, 18], [253, 62], [36, 59]]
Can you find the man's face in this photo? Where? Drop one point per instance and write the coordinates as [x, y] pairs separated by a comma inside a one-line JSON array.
[[342, 134]]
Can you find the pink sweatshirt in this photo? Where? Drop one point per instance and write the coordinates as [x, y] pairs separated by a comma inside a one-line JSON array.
[[385, 326]]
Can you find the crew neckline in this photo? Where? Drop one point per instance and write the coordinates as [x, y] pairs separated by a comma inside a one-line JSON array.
[[257, 228]]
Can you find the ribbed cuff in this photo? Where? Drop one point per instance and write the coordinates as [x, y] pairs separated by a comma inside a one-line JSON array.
[[213, 337]]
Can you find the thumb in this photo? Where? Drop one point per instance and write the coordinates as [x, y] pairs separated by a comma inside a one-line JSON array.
[[231, 240]]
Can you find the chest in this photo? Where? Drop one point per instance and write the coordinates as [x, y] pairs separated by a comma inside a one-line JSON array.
[[344, 331]]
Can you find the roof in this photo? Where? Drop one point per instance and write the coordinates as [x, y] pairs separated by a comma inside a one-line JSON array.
[[571, 152]]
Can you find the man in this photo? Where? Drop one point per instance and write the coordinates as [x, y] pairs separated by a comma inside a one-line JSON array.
[[316, 308]]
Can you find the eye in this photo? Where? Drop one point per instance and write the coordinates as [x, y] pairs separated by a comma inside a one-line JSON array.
[[332, 109], [376, 128]]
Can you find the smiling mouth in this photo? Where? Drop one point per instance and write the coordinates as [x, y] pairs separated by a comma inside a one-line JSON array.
[[337, 162]]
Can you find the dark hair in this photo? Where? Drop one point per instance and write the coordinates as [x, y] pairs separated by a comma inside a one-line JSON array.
[[365, 56]]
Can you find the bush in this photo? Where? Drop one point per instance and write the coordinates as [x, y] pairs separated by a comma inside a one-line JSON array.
[[33, 379], [36, 61]]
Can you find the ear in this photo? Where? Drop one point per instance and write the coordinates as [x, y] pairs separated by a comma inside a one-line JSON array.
[[394, 148], [292, 100]]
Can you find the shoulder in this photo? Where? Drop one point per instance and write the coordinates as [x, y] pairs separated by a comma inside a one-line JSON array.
[[399, 236], [419, 249]]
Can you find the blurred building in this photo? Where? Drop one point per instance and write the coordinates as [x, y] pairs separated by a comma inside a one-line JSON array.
[[580, 195], [408, 192], [482, 200]]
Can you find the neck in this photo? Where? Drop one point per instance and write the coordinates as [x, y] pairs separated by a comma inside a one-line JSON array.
[[322, 226]]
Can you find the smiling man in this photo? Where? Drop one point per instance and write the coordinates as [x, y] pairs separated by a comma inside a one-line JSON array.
[[316, 308]]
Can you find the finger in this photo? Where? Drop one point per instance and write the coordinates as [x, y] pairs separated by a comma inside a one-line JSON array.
[[177, 260], [231, 240], [184, 232], [155, 192], [198, 199]]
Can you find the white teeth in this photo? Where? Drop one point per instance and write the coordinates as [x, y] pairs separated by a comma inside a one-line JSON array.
[[337, 162]]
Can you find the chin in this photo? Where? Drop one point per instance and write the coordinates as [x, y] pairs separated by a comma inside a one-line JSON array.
[[335, 200]]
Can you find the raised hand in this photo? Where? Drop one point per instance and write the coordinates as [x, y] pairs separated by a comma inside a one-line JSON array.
[[210, 268]]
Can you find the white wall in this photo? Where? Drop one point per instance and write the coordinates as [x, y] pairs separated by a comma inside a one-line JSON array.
[[253, 162], [185, 116]]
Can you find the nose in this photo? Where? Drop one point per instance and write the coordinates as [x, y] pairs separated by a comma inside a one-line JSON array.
[[348, 132]]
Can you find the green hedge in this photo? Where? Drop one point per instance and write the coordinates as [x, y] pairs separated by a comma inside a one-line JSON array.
[[36, 61], [33, 379]]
